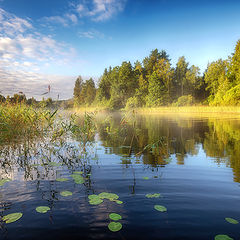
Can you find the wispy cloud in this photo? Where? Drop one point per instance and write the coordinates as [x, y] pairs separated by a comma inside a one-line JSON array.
[[100, 10], [65, 20], [91, 34]]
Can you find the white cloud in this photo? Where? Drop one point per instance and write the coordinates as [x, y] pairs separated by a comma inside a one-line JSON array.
[[91, 34], [65, 20], [24, 52], [100, 10]]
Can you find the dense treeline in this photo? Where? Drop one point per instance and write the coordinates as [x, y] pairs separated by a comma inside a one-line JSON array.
[[154, 82]]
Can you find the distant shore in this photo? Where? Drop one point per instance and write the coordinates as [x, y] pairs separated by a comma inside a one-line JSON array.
[[203, 110]]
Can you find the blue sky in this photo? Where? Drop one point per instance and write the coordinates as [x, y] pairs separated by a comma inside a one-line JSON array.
[[51, 42]]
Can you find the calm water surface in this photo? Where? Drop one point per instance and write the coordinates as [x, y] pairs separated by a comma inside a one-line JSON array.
[[194, 163]]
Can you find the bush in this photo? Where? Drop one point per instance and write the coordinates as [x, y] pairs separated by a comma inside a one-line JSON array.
[[133, 102], [186, 100]]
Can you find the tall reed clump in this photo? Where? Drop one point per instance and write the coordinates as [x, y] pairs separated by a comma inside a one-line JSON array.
[[20, 121]]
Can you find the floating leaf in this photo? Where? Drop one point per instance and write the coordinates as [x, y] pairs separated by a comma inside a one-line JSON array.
[[66, 193], [145, 178], [222, 237], [93, 196], [77, 178], [13, 217], [114, 226], [231, 220], [95, 201], [42, 209], [118, 202], [3, 181], [61, 179], [115, 216], [155, 195], [109, 196], [160, 208], [89, 174]]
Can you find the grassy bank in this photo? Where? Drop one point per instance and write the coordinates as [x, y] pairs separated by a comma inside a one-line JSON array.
[[202, 111]]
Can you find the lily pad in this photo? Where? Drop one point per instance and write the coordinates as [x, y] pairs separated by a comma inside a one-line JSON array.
[[145, 178], [12, 217], [115, 216], [119, 202], [61, 179], [95, 201], [222, 237], [115, 226], [155, 195], [66, 193], [160, 208], [109, 196], [93, 196], [231, 220], [3, 181], [78, 179], [42, 209]]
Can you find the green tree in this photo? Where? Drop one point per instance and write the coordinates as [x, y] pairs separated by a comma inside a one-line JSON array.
[[180, 76], [77, 91], [216, 80], [234, 69]]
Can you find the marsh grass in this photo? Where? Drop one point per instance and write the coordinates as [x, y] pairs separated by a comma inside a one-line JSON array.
[[19, 120]]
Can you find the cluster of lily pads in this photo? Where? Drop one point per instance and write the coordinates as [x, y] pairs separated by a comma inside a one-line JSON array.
[[115, 226], [98, 199], [226, 237], [159, 208], [13, 217]]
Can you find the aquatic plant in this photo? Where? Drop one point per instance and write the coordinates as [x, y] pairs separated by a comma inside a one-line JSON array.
[[12, 217]]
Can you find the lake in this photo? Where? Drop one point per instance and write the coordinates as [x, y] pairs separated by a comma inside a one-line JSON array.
[[189, 165]]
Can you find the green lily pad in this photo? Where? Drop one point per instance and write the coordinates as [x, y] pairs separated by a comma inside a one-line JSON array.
[[115, 216], [119, 202], [61, 179], [222, 237], [109, 196], [95, 201], [12, 217], [231, 220], [115, 226], [160, 208], [3, 181], [54, 164], [145, 178], [155, 195], [66, 193], [42, 209], [93, 196], [78, 179]]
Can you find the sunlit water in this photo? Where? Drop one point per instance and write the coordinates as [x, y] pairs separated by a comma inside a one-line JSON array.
[[193, 163]]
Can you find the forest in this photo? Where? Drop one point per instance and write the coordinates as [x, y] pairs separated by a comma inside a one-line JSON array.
[[155, 82]]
